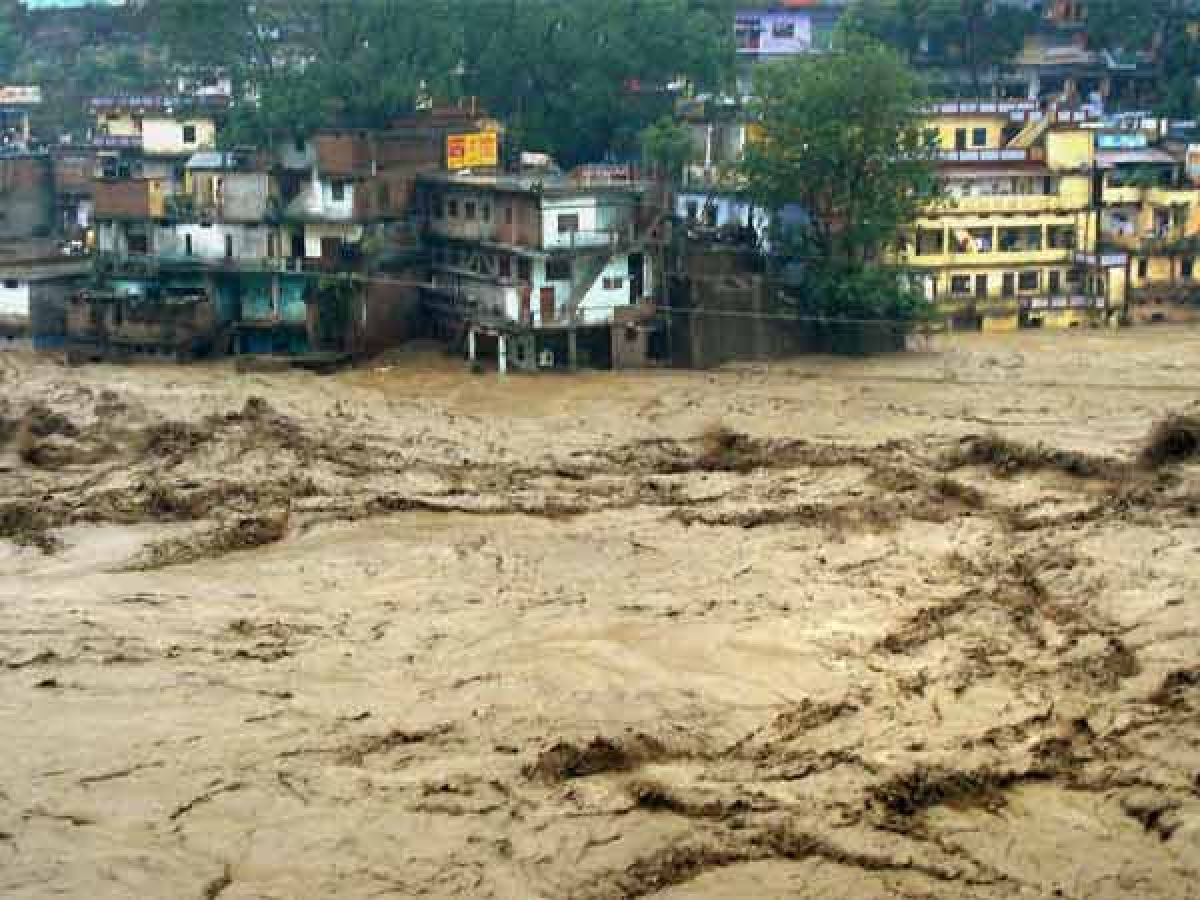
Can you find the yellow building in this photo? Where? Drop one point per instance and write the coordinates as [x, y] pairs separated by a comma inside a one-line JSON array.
[[1012, 241], [1151, 211]]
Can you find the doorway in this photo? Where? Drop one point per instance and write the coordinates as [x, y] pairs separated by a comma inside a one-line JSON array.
[[546, 304], [636, 277]]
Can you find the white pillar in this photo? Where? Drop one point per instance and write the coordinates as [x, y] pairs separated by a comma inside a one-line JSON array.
[[471, 345], [502, 353]]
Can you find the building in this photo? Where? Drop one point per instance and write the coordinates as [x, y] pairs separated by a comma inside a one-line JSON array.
[[305, 250], [769, 30], [1151, 215], [36, 273], [708, 199], [545, 263], [17, 105], [1013, 241]]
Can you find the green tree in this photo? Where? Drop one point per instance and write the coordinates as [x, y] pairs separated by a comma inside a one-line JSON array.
[[581, 80], [842, 138], [10, 42], [976, 34], [668, 146], [309, 63]]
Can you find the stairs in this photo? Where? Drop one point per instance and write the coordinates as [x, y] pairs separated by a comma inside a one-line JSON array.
[[1031, 133], [591, 266]]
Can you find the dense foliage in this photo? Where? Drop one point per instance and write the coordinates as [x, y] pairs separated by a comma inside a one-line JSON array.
[[842, 139], [1161, 26], [976, 35], [580, 80]]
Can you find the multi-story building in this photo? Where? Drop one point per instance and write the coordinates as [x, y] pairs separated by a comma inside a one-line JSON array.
[[282, 248], [546, 263], [1012, 240], [36, 275], [17, 105], [1151, 213], [709, 199]]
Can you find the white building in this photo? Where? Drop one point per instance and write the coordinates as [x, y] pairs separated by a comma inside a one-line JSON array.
[[539, 251]]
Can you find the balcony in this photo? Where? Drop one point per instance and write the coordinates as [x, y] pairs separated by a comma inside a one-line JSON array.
[[1127, 195], [1007, 155], [1014, 258], [1031, 204], [117, 142], [1167, 196]]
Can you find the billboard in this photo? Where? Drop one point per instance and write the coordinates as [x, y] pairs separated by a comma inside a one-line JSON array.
[[20, 96], [469, 151]]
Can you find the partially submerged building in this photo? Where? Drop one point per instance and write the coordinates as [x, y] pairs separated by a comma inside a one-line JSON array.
[[37, 274], [543, 264], [298, 251], [1012, 241]]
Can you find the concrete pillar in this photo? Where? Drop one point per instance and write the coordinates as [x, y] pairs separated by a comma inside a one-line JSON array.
[[471, 345], [502, 353], [572, 350]]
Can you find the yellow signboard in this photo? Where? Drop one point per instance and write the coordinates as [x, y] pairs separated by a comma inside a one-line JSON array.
[[469, 151]]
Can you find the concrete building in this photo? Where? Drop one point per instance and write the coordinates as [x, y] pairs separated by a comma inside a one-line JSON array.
[[546, 263], [36, 276], [17, 104], [287, 250], [1014, 240], [1151, 214]]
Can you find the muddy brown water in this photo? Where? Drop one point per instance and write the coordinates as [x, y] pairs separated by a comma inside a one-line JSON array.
[[407, 631]]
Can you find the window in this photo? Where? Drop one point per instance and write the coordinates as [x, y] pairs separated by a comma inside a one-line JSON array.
[[693, 209], [930, 243], [614, 284], [485, 212], [1008, 286], [1141, 268], [505, 266], [452, 209], [189, 134], [1189, 265], [508, 214], [139, 243], [960, 139], [339, 192], [784, 30], [558, 270], [524, 269], [960, 284], [187, 244], [229, 246], [11, 284], [1055, 282], [1061, 237], [979, 137], [469, 210], [299, 145], [568, 223], [1028, 281], [1021, 239]]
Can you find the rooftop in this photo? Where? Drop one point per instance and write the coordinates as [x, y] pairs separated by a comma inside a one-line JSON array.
[[539, 183]]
